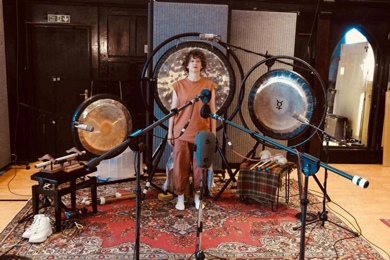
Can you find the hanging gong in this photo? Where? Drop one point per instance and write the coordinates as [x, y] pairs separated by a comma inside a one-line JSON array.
[[275, 98], [111, 122], [169, 69]]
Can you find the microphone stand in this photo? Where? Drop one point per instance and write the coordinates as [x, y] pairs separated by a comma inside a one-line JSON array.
[[310, 166], [322, 216], [199, 254], [135, 142]]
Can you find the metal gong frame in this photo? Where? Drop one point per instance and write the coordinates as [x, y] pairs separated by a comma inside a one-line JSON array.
[[209, 46], [164, 97], [169, 69], [111, 120], [299, 80]]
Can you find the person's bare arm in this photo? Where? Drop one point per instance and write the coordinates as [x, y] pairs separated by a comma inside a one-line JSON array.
[[213, 122], [170, 127]]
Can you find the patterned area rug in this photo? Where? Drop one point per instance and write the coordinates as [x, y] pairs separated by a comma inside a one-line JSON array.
[[232, 229]]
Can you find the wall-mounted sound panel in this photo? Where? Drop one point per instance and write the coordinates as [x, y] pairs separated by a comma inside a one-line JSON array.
[[171, 19], [5, 144], [271, 33]]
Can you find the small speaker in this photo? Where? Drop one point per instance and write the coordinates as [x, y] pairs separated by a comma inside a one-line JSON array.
[[336, 125]]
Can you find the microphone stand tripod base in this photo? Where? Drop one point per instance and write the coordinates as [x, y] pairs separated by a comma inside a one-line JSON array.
[[199, 255], [309, 216]]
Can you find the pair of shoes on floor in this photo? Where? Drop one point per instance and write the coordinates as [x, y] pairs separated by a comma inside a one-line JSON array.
[[39, 230], [180, 202]]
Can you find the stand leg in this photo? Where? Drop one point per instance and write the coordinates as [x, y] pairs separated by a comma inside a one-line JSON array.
[[152, 169], [199, 254], [231, 174], [138, 208], [322, 216], [304, 202]]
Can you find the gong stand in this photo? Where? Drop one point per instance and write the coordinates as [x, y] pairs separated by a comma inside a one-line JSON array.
[[155, 158], [136, 143], [232, 174], [310, 166], [322, 216]]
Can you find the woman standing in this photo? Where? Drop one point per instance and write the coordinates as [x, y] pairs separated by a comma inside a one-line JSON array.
[[183, 143]]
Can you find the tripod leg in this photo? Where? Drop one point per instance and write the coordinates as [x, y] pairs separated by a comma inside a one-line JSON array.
[[199, 254], [152, 170], [231, 174], [304, 202], [322, 188]]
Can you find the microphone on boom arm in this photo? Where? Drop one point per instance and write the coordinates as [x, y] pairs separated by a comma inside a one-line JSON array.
[[84, 127], [301, 118], [205, 110], [210, 37]]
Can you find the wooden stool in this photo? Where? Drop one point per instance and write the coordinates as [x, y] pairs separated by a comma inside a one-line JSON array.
[[57, 179]]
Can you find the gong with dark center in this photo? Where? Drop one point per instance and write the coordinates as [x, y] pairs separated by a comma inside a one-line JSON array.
[[275, 98], [111, 122], [169, 69]]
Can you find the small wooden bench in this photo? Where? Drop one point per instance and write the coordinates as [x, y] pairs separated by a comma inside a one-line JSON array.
[[57, 179]]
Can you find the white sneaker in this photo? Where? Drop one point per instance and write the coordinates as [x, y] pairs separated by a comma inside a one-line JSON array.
[[180, 202], [31, 230], [42, 232]]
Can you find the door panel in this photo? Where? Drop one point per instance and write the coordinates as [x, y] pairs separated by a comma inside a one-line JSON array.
[[59, 65]]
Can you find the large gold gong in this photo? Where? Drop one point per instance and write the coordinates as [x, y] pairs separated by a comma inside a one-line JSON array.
[[111, 122], [169, 70]]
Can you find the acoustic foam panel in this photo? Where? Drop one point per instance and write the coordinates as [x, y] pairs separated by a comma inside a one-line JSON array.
[[262, 32], [170, 19], [5, 151]]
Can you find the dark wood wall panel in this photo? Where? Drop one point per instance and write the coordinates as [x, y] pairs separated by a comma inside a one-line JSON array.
[[141, 36], [119, 38]]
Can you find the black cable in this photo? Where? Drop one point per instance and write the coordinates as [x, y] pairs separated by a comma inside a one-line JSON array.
[[5, 256], [9, 188], [337, 241], [312, 28]]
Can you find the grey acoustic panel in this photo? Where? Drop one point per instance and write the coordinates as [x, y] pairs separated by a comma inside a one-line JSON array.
[[264, 33], [171, 19], [5, 151]]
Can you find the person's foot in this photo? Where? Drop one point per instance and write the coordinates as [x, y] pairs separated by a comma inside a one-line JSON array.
[[197, 201], [180, 202]]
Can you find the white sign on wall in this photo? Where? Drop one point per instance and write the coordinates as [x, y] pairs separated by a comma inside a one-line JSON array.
[[58, 18]]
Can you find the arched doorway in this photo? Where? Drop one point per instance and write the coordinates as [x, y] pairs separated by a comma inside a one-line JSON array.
[[351, 75]]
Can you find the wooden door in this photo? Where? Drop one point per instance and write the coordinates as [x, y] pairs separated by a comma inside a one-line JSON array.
[[59, 69]]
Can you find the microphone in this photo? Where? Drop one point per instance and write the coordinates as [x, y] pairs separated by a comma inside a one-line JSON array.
[[205, 96], [301, 118], [84, 127], [210, 37], [204, 149], [205, 111]]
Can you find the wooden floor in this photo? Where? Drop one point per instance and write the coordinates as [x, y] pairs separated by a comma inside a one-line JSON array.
[[368, 206]]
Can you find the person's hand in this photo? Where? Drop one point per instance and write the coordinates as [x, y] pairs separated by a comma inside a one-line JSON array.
[[170, 140]]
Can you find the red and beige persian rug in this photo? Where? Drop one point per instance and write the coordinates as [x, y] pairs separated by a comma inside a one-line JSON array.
[[232, 229]]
